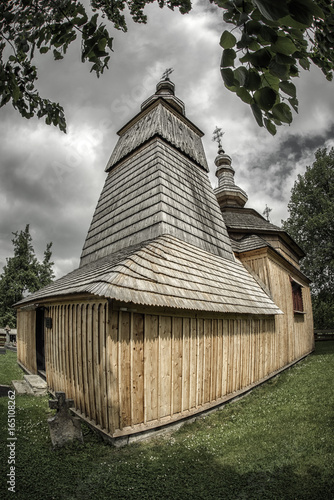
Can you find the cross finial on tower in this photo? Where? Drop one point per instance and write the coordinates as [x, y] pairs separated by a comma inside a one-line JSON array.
[[217, 136], [166, 73], [266, 212]]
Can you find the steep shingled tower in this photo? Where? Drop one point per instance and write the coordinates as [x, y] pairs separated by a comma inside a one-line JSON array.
[[157, 184]]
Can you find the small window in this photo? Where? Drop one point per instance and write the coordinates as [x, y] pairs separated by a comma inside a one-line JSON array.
[[297, 297]]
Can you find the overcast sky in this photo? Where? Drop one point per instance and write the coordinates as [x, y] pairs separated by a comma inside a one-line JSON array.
[[52, 180]]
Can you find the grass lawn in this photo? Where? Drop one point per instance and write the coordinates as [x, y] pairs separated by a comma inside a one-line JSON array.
[[276, 443]]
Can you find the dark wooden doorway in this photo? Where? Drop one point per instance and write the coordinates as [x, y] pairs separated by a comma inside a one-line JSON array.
[[40, 341]]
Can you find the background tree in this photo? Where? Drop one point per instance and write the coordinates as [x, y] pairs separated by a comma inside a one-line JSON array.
[[311, 224], [265, 48], [22, 274]]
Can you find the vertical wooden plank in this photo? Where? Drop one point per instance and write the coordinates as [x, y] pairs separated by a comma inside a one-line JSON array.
[[113, 353], [176, 400], [207, 359], [90, 362], [225, 357], [97, 381], [214, 362], [70, 351], [186, 365], [151, 367], [124, 368], [193, 363], [85, 314], [56, 348], [200, 361], [62, 366], [103, 367], [138, 369], [67, 385], [75, 356], [231, 351], [165, 355], [80, 385], [219, 358]]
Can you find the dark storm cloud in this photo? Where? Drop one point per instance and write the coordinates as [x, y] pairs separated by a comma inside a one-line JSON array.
[[53, 181]]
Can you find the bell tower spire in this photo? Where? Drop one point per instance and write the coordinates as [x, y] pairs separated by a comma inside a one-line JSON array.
[[228, 193]]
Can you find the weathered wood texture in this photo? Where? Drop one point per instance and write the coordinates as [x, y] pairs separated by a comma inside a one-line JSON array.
[[167, 272], [131, 371], [156, 191], [26, 339], [160, 119], [294, 330]]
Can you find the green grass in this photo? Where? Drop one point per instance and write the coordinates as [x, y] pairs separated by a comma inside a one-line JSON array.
[[9, 369], [276, 443]]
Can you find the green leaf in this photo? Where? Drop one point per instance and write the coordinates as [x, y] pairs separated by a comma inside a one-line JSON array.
[[270, 126], [268, 34], [284, 45], [265, 98], [271, 9], [228, 76], [294, 103], [16, 93], [283, 59], [279, 70], [261, 58], [228, 57], [253, 27], [253, 80], [282, 112], [244, 95], [257, 113], [269, 80], [305, 63], [227, 40], [288, 88], [44, 50], [241, 74], [303, 11]]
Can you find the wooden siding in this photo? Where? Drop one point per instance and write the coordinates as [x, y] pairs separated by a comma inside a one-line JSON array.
[[295, 330], [156, 191], [129, 371], [26, 339]]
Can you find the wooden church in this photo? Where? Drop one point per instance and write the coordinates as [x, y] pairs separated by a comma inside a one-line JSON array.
[[183, 298]]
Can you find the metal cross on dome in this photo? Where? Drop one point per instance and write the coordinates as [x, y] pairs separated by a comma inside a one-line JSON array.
[[217, 136], [166, 73]]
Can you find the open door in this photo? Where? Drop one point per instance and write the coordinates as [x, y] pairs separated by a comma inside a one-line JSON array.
[[40, 330]]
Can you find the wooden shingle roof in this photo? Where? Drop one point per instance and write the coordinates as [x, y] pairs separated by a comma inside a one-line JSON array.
[[166, 272], [248, 219], [156, 191]]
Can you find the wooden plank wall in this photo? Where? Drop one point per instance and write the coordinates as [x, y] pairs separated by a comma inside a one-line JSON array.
[[76, 356], [129, 371], [165, 367], [294, 330], [26, 339]]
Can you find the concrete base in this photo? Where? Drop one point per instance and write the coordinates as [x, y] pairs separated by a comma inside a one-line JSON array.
[[37, 384], [31, 384]]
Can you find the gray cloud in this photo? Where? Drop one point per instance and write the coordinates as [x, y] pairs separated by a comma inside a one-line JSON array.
[[52, 181]]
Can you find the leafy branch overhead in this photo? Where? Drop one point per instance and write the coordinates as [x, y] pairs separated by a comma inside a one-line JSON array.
[[268, 45], [269, 41]]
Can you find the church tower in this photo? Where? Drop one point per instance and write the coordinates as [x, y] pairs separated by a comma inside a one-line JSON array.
[[157, 184]]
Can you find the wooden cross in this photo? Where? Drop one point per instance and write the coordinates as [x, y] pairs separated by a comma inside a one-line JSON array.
[[61, 404], [217, 135], [166, 73]]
